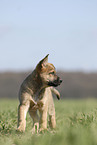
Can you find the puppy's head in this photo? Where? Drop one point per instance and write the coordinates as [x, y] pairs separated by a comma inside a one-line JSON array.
[[47, 73]]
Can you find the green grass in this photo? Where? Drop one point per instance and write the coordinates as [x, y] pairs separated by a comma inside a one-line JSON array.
[[76, 124]]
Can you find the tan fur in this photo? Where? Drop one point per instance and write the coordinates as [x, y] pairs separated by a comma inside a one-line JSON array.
[[36, 94]]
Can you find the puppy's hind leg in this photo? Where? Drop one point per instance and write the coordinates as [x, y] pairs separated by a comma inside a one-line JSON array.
[[35, 117]]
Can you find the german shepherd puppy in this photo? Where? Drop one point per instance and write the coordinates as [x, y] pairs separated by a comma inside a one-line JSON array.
[[35, 93]]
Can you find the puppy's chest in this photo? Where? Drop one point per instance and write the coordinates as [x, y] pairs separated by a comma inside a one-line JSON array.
[[39, 95]]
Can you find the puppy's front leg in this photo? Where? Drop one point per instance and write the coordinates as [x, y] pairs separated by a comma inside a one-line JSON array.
[[22, 111], [43, 118]]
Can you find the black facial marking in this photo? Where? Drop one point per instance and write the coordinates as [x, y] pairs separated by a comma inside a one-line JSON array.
[[55, 83]]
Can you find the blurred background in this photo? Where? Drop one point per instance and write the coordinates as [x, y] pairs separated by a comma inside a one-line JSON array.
[[67, 30]]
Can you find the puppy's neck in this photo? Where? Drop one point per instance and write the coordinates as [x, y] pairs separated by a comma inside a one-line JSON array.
[[36, 81]]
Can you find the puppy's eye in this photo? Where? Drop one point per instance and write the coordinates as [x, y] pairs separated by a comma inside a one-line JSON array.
[[52, 73]]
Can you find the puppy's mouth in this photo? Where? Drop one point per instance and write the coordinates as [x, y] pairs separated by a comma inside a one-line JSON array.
[[55, 83]]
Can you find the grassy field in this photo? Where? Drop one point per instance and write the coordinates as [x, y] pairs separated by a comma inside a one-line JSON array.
[[76, 124]]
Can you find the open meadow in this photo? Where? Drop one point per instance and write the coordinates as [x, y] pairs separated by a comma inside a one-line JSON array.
[[76, 124]]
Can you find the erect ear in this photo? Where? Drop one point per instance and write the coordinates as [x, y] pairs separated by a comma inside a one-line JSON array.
[[43, 62]]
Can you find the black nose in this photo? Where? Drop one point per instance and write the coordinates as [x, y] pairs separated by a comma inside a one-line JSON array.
[[61, 80]]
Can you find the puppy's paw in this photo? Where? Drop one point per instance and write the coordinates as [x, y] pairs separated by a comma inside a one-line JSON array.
[[43, 130], [20, 129]]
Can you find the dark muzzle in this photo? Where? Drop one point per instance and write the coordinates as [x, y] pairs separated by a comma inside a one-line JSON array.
[[55, 83]]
